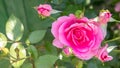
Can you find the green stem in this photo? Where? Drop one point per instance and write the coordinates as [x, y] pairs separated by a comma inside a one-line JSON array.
[[117, 21], [52, 18], [32, 62], [116, 51], [112, 40]]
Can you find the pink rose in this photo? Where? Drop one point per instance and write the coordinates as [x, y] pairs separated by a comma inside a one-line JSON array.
[[117, 7], [44, 10], [104, 16], [103, 54], [82, 35]]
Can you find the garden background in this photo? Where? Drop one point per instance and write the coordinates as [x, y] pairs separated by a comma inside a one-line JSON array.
[[40, 53]]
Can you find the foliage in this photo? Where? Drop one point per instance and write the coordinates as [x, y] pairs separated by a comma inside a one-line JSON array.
[[26, 39]]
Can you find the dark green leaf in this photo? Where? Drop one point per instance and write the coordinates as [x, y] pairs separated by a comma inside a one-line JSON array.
[[50, 49], [79, 1], [92, 65], [55, 1], [37, 36], [5, 63]]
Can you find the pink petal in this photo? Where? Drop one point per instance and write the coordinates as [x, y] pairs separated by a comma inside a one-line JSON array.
[[57, 43], [83, 55], [46, 13], [57, 24], [102, 54]]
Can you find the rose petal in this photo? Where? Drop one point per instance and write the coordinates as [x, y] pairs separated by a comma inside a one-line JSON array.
[[57, 43], [56, 25]]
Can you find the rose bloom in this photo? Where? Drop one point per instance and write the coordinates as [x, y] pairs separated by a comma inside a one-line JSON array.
[[44, 10], [104, 16], [103, 54], [82, 35]]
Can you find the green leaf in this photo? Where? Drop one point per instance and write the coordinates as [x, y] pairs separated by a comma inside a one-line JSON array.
[[55, 1], [91, 13], [55, 11], [79, 65], [50, 49], [3, 40], [113, 20], [37, 36], [33, 52], [17, 55], [77, 62], [5, 63], [14, 28], [92, 65], [79, 14], [46, 61], [110, 48], [27, 65], [78, 1]]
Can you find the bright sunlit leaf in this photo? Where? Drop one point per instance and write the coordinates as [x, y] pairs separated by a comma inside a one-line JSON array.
[[113, 20], [55, 11], [14, 28], [110, 48], [17, 54], [3, 40]]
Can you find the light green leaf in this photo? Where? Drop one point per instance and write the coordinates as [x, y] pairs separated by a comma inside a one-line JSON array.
[[80, 64], [46, 61], [110, 48], [14, 28], [3, 40], [55, 11], [113, 20], [79, 14], [17, 54], [33, 52], [37, 36]]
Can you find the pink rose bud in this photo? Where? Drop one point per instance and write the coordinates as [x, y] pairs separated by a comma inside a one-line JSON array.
[[82, 35], [103, 54], [67, 51], [117, 7], [44, 10], [104, 16]]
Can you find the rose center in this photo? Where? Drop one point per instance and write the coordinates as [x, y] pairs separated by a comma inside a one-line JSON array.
[[80, 35]]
